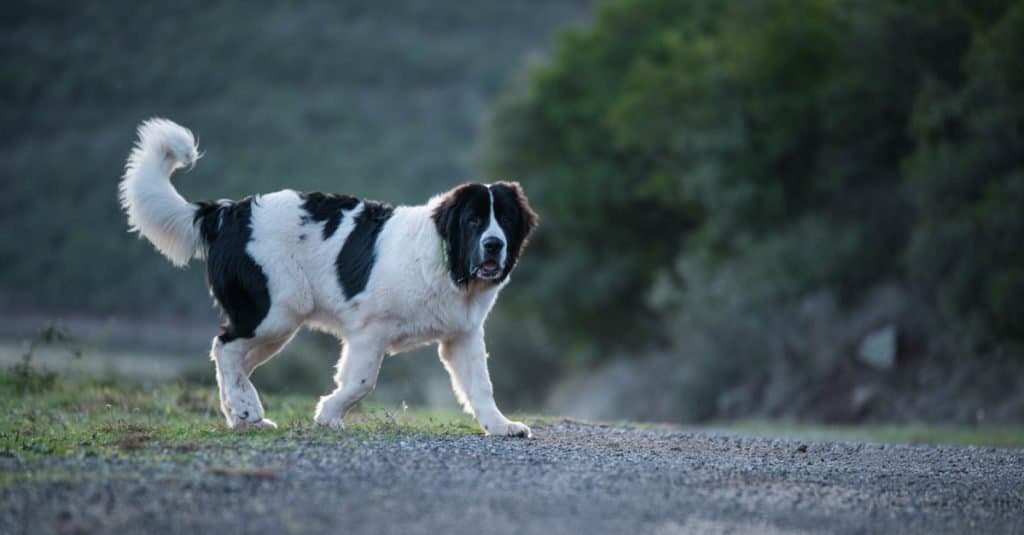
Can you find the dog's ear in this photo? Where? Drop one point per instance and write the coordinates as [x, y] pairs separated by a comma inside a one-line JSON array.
[[530, 218], [516, 217], [448, 221]]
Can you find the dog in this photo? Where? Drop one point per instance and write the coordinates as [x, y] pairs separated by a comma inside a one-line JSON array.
[[382, 279]]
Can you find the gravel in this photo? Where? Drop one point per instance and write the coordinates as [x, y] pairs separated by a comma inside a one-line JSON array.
[[569, 478]]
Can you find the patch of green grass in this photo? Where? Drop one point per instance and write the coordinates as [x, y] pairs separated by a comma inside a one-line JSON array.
[[1002, 437], [85, 419]]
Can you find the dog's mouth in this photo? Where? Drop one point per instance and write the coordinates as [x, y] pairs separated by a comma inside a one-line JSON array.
[[488, 269]]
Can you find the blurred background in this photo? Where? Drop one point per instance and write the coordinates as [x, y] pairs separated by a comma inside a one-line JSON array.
[[803, 210]]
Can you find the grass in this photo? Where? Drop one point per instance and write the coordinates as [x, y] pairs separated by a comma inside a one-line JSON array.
[[61, 418], [51, 416]]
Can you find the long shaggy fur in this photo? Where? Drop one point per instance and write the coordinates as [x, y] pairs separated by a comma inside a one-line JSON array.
[[155, 209], [383, 279]]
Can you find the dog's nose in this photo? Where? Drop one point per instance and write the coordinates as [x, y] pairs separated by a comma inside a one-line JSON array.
[[493, 245]]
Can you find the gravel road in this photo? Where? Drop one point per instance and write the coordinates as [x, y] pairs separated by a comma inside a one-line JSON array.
[[570, 478]]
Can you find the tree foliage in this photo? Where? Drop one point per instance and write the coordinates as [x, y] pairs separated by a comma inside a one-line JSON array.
[[967, 177], [778, 133]]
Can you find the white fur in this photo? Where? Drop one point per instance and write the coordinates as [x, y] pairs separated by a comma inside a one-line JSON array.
[[409, 299], [494, 230], [154, 207]]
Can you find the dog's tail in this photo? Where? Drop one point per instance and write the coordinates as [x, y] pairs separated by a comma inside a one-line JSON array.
[[155, 209]]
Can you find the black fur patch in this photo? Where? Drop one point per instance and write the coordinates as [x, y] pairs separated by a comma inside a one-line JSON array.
[[236, 280], [327, 207], [516, 218], [357, 256], [460, 220]]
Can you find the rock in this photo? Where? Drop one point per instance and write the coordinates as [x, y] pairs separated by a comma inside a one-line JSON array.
[[878, 348], [861, 397]]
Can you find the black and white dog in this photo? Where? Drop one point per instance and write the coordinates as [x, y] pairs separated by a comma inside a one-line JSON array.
[[382, 279]]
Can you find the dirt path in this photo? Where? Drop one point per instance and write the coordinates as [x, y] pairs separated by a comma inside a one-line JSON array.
[[571, 478]]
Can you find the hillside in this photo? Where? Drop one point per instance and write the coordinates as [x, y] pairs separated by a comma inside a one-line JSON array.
[[382, 100]]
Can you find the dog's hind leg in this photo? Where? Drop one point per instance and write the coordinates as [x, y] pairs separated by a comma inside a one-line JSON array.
[[356, 377], [239, 400]]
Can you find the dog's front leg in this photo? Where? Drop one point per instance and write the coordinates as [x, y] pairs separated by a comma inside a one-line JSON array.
[[356, 377], [465, 358]]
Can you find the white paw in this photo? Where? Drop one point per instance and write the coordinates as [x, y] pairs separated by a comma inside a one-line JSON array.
[[329, 423], [244, 413], [264, 423], [508, 429], [327, 413]]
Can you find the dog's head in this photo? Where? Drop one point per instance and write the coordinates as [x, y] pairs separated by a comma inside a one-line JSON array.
[[484, 229]]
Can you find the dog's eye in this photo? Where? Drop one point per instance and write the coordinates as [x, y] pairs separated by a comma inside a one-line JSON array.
[[475, 222]]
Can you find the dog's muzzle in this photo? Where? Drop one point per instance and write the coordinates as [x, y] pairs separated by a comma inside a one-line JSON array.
[[493, 259]]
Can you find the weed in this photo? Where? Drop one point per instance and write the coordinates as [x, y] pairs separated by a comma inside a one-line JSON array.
[[25, 377]]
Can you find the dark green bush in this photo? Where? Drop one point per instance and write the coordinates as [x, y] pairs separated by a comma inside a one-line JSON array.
[[967, 178], [768, 132]]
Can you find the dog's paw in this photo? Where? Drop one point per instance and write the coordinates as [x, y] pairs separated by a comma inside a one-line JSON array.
[[329, 423], [518, 429], [509, 429], [327, 413], [263, 423], [246, 414]]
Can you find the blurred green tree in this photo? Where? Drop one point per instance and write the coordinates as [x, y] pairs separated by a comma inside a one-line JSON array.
[[967, 179], [771, 132]]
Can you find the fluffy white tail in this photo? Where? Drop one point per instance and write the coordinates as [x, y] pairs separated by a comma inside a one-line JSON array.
[[155, 209]]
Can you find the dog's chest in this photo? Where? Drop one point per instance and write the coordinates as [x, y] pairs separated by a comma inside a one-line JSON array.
[[435, 316]]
